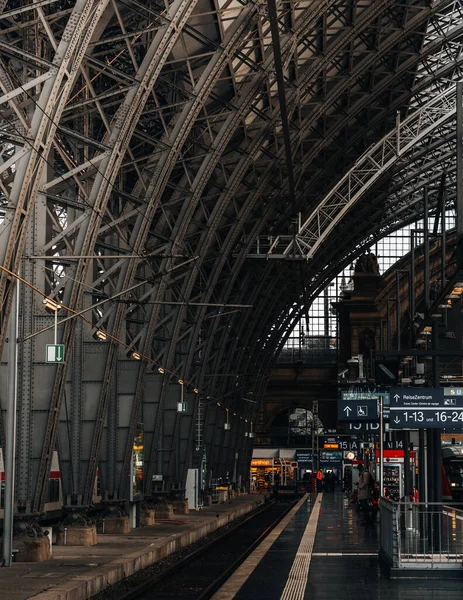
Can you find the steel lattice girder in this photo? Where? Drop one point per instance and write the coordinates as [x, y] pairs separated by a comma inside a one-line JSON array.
[[186, 168]]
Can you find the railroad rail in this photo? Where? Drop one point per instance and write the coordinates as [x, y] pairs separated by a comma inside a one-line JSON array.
[[200, 574]]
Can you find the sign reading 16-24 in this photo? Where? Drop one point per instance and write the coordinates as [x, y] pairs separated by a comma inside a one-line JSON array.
[[414, 408]]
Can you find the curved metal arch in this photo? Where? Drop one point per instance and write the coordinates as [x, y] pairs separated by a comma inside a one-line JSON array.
[[241, 336], [30, 164], [381, 234], [140, 231], [226, 133], [226, 297], [400, 205], [376, 230], [229, 241], [233, 325], [365, 22], [358, 241], [372, 165], [122, 127], [161, 291], [442, 45], [410, 64]]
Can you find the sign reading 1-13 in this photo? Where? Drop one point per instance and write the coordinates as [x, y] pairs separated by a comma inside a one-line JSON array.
[[415, 408], [55, 353]]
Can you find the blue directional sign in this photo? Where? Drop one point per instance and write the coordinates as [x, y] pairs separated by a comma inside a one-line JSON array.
[[357, 410], [416, 408]]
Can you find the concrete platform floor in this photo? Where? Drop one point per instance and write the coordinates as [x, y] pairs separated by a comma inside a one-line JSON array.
[[77, 573]]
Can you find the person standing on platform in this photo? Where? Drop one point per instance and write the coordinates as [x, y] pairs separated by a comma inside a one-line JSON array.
[[319, 480], [364, 490]]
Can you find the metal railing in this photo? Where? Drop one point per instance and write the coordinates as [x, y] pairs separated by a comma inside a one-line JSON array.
[[421, 535], [389, 548]]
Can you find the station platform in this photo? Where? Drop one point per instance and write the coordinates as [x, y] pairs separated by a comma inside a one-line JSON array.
[[77, 573], [324, 551]]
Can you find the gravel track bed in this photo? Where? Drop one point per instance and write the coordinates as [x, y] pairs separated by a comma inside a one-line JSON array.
[[114, 592]]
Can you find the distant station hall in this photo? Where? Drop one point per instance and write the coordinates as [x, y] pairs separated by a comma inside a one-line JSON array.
[[231, 283]]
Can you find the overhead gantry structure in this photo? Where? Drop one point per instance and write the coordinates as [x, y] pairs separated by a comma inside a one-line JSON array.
[[142, 156]]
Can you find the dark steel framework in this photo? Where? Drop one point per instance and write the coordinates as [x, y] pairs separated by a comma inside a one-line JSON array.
[[153, 131]]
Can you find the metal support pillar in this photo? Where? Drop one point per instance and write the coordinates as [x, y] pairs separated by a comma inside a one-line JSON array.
[[315, 456], [397, 307], [430, 471], [407, 474], [411, 290], [10, 446], [388, 325], [422, 479], [459, 201], [435, 434], [426, 251], [443, 245], [381, 445]]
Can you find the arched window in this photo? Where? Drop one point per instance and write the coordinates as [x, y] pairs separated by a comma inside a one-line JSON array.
[[300, 422], [293, 426]]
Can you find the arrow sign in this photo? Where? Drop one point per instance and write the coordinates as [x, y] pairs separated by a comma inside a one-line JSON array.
[[397, 420], [396, 397], [358, 409], [55, 353]]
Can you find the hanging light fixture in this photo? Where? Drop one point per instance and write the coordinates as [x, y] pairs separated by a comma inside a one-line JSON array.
[[51, 304], [226, 425], [251, 433], [180, 381], [136, 356], [196, 391], [100, 334], [161, 370]]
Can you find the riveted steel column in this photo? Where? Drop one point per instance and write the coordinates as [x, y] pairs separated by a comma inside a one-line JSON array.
[[10, 449], [426, 251], [459, 203]]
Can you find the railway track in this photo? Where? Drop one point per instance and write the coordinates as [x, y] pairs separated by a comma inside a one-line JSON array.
[[200, 574]]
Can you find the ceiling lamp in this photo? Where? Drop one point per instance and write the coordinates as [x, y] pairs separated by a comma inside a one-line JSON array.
[[180, 381], [50, 304], [161, 370], [196, 391], [100, 334], [251, 433], [136, 356]]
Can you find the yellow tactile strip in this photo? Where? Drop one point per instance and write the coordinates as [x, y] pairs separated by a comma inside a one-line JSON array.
[[231, 587], [297, 579]]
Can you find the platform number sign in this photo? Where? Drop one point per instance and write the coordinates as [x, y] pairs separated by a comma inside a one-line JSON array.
[[55, 353]]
